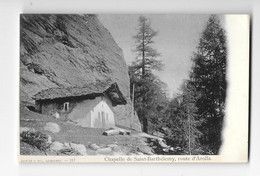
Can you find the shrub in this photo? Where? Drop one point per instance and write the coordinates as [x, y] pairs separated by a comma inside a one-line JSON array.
[[36, 139]]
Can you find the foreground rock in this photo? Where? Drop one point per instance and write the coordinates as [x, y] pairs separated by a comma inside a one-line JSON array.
[[146, 150], [56, 146], [94, 146], [93, 143], [68, 148], [80, 148], [104, 151], [52, 127]]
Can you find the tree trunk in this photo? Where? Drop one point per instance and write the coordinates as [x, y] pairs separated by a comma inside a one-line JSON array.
[[143, 54], [145, 121], [145, 124], [189, 131], [143, 66]]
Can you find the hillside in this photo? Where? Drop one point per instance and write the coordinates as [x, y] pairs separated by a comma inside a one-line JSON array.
[[71, 50], [70, 139]]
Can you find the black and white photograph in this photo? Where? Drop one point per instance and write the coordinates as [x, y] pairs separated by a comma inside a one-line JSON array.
[[103, 87]]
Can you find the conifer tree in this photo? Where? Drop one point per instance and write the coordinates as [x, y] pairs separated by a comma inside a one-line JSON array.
[[141, 69], [189, 116], [146, 55], [182, 115], [208, 76]]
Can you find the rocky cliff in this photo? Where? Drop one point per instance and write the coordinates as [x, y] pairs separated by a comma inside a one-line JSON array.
[[70, 50]]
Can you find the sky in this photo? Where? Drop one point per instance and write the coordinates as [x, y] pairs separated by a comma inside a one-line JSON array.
[[177, 39]]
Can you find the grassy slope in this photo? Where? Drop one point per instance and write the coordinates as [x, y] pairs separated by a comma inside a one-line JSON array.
[[73, 133]]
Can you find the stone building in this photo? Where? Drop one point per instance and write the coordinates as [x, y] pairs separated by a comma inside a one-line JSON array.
[[88, 106]]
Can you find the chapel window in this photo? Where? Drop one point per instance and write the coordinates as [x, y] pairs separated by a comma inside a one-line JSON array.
[[66, 106]]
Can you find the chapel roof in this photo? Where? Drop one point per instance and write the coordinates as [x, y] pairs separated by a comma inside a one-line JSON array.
[[97, 88]]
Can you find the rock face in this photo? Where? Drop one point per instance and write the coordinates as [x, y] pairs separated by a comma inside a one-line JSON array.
[[71, 50]]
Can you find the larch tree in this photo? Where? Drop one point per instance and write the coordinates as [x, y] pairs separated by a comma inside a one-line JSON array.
[[141, 71], [146, 55]]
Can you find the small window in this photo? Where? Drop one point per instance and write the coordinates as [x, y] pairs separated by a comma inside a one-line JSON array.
[[66, 106]]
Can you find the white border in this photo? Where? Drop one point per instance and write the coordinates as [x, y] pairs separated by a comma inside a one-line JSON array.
[[9, 33]]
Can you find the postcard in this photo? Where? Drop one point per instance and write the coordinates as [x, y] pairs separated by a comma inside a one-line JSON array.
[[122, 88]]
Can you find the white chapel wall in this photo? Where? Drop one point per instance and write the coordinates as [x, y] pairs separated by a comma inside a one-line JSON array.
[[88, 113], [103, 110]]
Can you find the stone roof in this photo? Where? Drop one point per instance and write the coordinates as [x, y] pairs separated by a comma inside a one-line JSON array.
[[95, 89]]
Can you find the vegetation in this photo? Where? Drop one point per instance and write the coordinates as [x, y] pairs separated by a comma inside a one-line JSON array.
[[146, 55], [193, 120], [149, 100], [182, 115], [149, 90], [208, 76], [36, 139]]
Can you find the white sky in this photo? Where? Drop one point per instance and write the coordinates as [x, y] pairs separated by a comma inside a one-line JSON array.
[[176, 41]]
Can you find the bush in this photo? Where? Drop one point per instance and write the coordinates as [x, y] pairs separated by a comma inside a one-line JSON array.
[[36, 139]]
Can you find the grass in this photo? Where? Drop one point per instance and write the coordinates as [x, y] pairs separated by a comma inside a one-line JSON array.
[[73, 133]]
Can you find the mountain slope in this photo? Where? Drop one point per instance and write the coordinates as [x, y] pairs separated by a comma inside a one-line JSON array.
[[70, 50]]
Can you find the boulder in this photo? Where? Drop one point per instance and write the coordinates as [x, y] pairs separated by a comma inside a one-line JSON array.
[[52, 127], [67, 145], [94, 146], [116, 154], [162, 143], [112, 145], [68, 148], [122, 150], [79, 148], [56, 146], [145, 149], [104, 151], [166, 150], [139, 153]]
